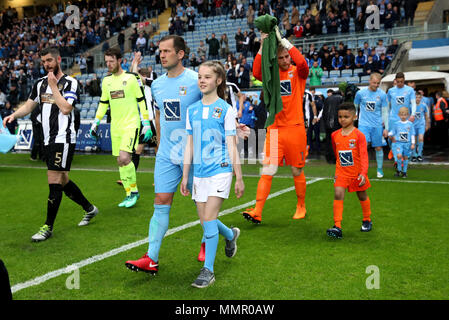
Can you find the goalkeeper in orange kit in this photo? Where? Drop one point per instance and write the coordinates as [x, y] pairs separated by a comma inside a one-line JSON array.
[[286, 138]]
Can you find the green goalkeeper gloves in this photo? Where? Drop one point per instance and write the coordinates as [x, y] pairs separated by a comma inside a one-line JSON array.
[[146, 131]]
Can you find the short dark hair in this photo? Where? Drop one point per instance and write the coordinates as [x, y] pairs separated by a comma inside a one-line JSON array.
[[349, 106], [114, 52], [54, 51], [400, 75], [178, 42]]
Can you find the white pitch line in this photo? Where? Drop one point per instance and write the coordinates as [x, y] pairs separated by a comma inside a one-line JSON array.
[[70, 268], [244, 175]]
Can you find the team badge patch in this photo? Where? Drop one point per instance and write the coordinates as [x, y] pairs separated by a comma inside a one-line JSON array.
[[352, 143], [60, 86], [346, 159], [124, 83], [290, 74], [286, 88], [172, 110], [400, 100], [217, 113], [182, 91]]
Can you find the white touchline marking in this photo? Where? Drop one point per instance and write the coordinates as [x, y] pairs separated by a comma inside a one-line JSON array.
[[244, 175], [69, 269]]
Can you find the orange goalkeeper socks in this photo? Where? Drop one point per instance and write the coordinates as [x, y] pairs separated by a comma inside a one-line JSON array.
[[263, 190], [300, 188]]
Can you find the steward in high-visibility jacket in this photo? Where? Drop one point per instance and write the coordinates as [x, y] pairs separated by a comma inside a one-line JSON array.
[[439, 108]]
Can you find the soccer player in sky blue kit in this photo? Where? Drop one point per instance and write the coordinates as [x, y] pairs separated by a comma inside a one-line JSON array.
[[211, 144], [422, 124], [373, 114], [402, 134], [400, 96], [173, 93]]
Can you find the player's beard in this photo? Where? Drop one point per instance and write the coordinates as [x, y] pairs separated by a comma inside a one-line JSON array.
[[115, 69], [55, 69]]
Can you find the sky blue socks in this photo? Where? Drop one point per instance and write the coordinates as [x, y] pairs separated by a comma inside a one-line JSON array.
[[157, 230]]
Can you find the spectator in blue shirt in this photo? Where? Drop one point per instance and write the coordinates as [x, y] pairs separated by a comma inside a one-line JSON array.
[[360, 59], [337, 62]]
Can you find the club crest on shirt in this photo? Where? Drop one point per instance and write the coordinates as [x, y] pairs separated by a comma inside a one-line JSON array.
[[352, 143], [60, 86], [290, 74], [217, 113], [182, 91], [124, 83]]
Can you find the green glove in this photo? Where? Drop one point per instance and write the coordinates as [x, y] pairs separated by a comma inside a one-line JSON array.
[[146, 131]]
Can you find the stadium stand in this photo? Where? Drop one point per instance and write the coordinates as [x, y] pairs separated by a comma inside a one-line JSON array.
[[19, 46]]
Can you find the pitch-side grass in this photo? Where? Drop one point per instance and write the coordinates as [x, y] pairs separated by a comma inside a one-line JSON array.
[[280, 259]]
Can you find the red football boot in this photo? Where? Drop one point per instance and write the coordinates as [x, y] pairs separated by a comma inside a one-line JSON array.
[[202, 254], [145, 264]]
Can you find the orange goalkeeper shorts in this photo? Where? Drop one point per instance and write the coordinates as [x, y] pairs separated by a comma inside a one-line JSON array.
[[289, 143]]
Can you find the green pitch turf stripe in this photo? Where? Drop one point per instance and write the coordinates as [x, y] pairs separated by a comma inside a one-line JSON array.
[[69, 269]]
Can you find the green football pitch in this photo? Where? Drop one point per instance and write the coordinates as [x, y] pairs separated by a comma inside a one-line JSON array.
[[403, 257]]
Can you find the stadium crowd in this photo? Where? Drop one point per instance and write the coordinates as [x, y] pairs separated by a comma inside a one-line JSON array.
[[20, 64]]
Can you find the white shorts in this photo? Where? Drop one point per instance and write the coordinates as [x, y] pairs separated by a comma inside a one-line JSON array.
[[215, 186]]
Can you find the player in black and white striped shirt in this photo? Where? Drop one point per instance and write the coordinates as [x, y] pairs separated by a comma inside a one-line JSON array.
[[55, 95]]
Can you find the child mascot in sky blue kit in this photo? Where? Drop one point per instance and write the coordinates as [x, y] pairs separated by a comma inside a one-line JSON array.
[[211, 149]]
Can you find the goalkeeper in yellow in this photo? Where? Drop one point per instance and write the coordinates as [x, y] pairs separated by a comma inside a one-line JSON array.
[[123, 93]]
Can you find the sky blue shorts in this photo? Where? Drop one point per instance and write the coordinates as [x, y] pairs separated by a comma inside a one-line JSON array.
[[167, 176], [373, 135], [402, 149]]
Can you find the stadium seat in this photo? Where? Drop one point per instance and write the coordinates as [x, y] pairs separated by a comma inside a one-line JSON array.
[[357, 71], [90, 114], [353, 80], [334, 73], [346, 73], [364, 79]]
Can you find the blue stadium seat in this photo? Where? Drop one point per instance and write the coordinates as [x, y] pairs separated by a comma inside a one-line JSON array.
[[90, 114], [346, 73], [364, 79], [353, 80], [334, 73]]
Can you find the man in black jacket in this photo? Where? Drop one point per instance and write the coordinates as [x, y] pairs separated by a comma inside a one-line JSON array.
[[331, 124]]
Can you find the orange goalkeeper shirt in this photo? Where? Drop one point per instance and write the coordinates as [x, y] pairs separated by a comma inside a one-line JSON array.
[[351, 153], [293, 84]]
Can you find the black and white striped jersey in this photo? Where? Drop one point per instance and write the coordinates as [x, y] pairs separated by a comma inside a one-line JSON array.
[[231, 91], [57, 127]]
